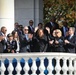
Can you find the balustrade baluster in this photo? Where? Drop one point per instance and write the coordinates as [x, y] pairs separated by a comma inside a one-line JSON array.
[[34, 67], [50, 66], [57, 67], [18, 67], [65, 68], [2, 68], [42, 67], [70, 68], [26, 68], [75, 66], [10, 68]]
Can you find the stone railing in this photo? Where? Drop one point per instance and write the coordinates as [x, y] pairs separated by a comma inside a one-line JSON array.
[[38, 64]]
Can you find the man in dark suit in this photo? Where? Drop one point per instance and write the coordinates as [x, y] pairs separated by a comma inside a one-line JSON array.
[[64, 29], [3, 38], [52, 24], [30, 27], [70, 41], [24, 40]]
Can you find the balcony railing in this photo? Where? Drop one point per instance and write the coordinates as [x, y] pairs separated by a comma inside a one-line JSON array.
[[38, 64]]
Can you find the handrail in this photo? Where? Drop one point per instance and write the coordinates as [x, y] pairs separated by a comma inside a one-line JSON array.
[[10, 55]]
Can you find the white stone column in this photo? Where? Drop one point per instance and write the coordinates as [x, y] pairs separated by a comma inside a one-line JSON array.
[[7, 14], [38, 12], [26, 10]]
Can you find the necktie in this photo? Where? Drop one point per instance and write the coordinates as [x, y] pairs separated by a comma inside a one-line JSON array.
[[70, 37], [32, 29], [52, 23], [26, 36]]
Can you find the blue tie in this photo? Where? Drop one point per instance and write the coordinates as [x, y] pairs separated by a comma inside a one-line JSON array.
[[26, 37]]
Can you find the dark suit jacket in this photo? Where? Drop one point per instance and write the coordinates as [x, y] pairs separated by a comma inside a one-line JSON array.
[[75, 28], [34, 46], [60, 46], [72, 45], [56, 26], [43, 43], [2, 43], [23, 43], [1, 48], [11, 46], [31, 30], [62, 30]]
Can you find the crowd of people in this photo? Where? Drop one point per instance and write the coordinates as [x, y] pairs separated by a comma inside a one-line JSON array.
[[44, 38]]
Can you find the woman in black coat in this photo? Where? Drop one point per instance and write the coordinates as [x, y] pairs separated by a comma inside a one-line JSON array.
[[58, 42], [42, 41]]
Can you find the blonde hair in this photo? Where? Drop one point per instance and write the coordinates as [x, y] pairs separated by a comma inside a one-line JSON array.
[[54, 33], [59, 31]]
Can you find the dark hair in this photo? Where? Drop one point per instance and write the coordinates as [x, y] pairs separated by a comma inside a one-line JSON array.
[[30, 21], [2, 28], [13, 32], [40, 24], [31, 33], [52, 17]]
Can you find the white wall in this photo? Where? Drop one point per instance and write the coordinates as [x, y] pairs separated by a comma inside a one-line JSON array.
[[7, 14], [25, 10]]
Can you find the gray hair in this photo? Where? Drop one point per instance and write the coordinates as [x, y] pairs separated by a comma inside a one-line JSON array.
[[73, 29]]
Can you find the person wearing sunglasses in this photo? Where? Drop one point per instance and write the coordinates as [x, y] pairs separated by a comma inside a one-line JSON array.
[[24, 47]]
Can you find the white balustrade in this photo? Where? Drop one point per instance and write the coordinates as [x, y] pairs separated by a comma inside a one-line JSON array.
[[26, 68], [64, 56], [70, 68], [2, 68], [50, 67], [10, 67], [75, 66], [57, 67], [34, 67], [65, 68], [18, 68], [42, 67]]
